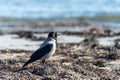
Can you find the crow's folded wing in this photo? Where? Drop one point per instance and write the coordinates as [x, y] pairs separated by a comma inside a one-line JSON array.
[[42, 51]]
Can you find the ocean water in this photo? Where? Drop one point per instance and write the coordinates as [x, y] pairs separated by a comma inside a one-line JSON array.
[[58, 8]]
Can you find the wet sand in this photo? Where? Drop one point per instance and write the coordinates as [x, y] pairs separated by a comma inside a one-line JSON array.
[[84, 52]]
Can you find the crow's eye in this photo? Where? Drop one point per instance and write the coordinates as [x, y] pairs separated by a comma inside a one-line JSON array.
[[54, 35]]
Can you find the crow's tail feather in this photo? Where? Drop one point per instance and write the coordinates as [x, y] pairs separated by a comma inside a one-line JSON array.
[[29, 61]]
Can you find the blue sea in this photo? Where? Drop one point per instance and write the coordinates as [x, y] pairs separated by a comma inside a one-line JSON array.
[[58, 8]]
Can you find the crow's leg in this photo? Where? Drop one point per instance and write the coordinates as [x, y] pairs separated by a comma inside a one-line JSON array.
[[44, 63], [45, 69]]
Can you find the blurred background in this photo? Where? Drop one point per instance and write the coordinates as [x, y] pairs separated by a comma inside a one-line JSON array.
[[58, 8], [49, 9], [29, 21]]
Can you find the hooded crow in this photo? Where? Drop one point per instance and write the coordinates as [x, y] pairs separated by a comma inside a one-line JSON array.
[[46, 50]]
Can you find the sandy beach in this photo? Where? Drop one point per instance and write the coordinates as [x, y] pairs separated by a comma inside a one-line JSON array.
[[85, 51]]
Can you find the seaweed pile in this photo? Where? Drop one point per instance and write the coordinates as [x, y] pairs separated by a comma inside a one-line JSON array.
[[86, 60], [75, 61]]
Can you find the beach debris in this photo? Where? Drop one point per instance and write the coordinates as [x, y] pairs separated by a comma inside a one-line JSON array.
[[29, 35]]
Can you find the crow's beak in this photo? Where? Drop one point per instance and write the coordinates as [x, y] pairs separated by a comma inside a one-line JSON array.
[[58, 34]]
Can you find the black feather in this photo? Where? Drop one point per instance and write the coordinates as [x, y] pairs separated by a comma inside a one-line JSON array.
[[39, 54]]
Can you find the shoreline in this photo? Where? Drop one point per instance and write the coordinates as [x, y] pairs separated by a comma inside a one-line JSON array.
[[111, 21], [95, 17]]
